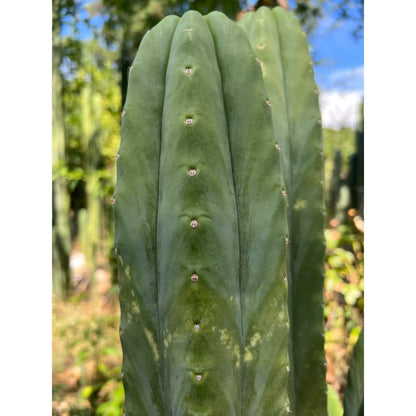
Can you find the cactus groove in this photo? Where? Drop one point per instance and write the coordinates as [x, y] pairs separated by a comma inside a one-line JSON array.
[[281, 48], [201, 229]]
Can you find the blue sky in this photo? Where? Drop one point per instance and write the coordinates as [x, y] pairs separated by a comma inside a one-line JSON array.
[[339, 71], [340, 56]]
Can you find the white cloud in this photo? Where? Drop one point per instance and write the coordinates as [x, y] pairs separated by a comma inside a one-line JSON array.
[[340, 108], [346, 78]]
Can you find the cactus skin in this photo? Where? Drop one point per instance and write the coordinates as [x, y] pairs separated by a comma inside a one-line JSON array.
[[335, 184], [263, 229], [61, 232], [355, 178], [281, 47], [354, 392], [135, 215], [217, 345], [210, 249]]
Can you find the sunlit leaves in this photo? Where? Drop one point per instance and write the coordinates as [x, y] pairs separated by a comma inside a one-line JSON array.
[[344, 297]]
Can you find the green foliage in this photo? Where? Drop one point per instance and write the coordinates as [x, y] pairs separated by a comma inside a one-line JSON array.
[[87, 360], [308, 13], [334, 404], [344, 297], [114, 406]]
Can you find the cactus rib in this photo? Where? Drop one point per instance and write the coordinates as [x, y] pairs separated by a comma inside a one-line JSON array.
[[207, 374], [281, 47], [135, 213], [262, 224]]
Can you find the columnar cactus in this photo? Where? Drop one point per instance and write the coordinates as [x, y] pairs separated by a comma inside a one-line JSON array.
[[335, 183], [201, 229], [354, 392], [282, 49]]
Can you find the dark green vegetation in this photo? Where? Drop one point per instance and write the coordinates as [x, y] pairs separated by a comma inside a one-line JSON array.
[[86, 131]]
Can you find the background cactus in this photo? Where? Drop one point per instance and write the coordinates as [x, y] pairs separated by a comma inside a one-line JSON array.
[[346, 184], [61, 233], [281, 47], [335, 183], [354, 393], [355, 178]]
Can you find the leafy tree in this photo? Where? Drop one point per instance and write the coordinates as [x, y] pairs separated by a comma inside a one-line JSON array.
[[127, 21], [310, 11]]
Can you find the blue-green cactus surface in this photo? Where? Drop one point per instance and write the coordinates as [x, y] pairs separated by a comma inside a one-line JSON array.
[[282, 50], [201, 216]]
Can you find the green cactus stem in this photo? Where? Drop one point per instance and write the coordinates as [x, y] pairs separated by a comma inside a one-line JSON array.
[[282, 50], [355, 178], [92, 235], [354, 392], [61, 233], [335, 184], [200, 228]]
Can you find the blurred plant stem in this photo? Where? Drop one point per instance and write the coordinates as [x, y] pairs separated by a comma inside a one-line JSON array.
[[61, 235]]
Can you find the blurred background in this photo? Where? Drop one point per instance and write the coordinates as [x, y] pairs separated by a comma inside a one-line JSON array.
[[94, 44]]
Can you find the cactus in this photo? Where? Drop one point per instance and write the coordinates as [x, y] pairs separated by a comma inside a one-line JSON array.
[[201, 226], [281, 47], [354, 392], [335, 184], [61, 232], [91, 226], [355, 178], [201, 246]]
